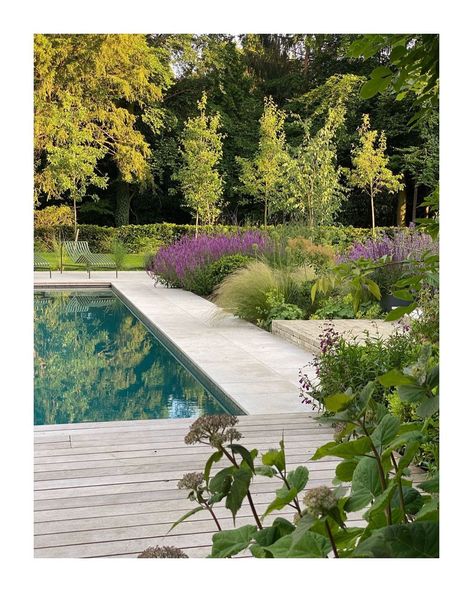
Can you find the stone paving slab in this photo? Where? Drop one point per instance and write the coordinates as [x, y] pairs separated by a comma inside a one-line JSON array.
[[306, 334], [256, 369]]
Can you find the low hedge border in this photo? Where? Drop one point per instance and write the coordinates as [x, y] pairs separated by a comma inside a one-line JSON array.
[[147, 238]]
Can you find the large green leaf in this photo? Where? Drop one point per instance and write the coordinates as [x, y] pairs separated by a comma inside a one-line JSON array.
[[381, 501], [269, 535], [366, 485], [283, 497], [220, 483], [431, 485], [246, 455], [371, 88], [428, 407], [275, 458], [394, 378], [310, 544], [344, 470], [338, 401], [417, 539], [356, 447], [265, 471], [213, 458], [413, 501], [298, 478], [400, 311], [411, 393], [429, 511], [230, 542], [238, 490], [408, 455], [385, 431]]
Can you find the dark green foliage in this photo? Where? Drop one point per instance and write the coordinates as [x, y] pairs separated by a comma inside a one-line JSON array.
[[347, 365], [426, 326], [376, 450], [219, 270]]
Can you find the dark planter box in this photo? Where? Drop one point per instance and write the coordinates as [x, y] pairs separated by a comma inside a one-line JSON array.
[[388, 302]]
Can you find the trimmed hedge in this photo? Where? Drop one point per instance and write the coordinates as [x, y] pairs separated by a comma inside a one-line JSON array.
[[147, 238]]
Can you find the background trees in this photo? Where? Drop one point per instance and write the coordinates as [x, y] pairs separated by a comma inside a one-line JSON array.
[[201, 152], [111, 113], [91, 93], [370, 165], [264, 176]]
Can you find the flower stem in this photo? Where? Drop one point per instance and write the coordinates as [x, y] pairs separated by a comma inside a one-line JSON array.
[[332, 542], [213, 515], [248, 495], [380, 470], [401, 494]]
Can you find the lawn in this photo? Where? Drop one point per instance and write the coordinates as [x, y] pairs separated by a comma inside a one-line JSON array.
[[132, 261]]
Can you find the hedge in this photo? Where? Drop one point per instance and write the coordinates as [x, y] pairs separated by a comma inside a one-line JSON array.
[[148, 238]]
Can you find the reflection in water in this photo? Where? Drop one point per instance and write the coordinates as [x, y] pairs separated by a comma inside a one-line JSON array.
[[94, 361]]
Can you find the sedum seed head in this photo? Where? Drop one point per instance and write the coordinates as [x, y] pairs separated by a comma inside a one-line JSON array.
[[214, 430], [162, 553], [191, 481], [320, 500]]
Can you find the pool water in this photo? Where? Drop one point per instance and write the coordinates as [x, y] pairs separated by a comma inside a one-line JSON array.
[[95, 361]]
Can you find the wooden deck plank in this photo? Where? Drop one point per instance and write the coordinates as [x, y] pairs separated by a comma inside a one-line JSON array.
[[110, 490]]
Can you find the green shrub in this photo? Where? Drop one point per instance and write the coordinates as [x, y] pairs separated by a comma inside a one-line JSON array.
[[427, 326], [344, 364], [340, 306], [277, 308], [220, 269], [149, 237]]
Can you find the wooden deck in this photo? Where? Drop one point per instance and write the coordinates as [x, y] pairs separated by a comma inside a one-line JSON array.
[[110, 489]]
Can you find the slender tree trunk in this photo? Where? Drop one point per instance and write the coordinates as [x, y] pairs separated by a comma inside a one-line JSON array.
[[196, 223], [265, 211], [414, 203], [75, 218], [372, 212], [122, 209], [401, 208]]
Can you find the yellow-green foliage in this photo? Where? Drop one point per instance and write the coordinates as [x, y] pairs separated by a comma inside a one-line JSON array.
[[54, 216], [82, 85], [202, 149], [370, 165], [245, 292]]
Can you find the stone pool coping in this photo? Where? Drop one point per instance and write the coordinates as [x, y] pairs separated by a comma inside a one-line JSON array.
[[306, 334], [255, 369]]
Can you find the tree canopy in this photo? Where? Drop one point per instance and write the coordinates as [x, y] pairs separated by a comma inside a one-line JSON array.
[[112, 117]]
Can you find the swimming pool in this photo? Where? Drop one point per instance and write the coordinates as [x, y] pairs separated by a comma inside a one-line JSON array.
[[94, 360]]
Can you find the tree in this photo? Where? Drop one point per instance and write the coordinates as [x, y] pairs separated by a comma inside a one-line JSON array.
[[263, 176], [314, 177], [91, 91], [422, 162], [199, 177], [370, 165], [411, 65]]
